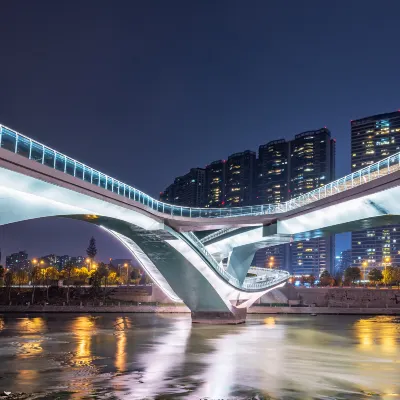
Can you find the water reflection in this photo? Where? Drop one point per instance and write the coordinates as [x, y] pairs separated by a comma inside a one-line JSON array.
[[122, 324], [84, 329], [384, 339], [149, 356], [157, 362]]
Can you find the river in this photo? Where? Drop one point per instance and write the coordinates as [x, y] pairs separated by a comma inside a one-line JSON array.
[[147, 356]]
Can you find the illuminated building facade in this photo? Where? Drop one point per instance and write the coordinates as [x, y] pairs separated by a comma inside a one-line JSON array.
[[288, 169], [272, 174], [311, 164], [372, 139], [215, 184], [188, 190], [17, 261], [240, 179]]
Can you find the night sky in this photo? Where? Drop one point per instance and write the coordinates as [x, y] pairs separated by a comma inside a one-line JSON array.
[[145, 90]]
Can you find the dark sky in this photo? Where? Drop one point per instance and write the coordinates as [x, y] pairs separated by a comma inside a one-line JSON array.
[[144, 90]]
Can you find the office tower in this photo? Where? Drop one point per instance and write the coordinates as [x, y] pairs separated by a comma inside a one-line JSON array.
[[373, 139], [240, 179], [215, 184], [187, 190], [272, 172]]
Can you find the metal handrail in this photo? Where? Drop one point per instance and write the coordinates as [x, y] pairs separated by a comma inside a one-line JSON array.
[[33, 150]]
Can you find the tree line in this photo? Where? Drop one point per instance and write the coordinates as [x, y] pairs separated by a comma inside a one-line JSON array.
[[389, 276], [98, 276]]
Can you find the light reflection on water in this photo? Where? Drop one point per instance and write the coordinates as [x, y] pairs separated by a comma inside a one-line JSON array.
[[144, 356]]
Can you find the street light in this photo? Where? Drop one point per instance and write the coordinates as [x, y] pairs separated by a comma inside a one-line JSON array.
[[387, 261]]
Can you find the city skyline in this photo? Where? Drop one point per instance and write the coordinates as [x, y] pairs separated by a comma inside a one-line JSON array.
[[184, 100]]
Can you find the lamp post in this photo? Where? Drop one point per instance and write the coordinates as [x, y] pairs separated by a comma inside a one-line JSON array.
[[387, 261], [89, 263]]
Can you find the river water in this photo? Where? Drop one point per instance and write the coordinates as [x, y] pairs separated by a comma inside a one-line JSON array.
[[147, 356]]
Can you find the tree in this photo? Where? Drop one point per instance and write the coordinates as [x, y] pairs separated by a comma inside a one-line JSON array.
[[389, 275], [397, 276], [21, 277], [325, 279], [8, 281], [375, 275], [91, 251], [113, 278], [338, 279], [352, 274], [2, 272], [51, 274], [36, 275], [103, 272], [67, 272], [83, 274]]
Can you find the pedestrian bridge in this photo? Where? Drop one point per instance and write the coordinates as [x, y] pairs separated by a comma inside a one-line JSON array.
[[208, 270]]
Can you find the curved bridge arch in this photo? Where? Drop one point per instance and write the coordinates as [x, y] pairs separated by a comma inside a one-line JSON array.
[[37, 181]]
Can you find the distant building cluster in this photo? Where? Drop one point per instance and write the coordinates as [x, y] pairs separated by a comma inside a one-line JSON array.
[[21, 261], [283, 170]]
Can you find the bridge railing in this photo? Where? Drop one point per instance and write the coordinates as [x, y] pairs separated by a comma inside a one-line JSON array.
[[26, 147]]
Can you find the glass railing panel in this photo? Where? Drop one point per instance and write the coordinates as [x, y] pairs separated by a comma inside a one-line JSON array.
[[394, 163], [109, 184], [60, 162], [37, 152], [116, 187], [8, 139], [214, 212], [87, 174], [196, 212], [23, 146], [103, 181], [160, 207], [95, 178], [176, 211], [186, 212], [167, 209], [49, 158], [70, 166], [79, 170]]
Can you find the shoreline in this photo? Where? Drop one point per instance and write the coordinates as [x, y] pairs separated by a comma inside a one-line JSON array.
[[184, 310]]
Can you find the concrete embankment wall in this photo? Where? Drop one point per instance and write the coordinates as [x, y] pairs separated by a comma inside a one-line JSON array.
[[323, 310], [94, 309], [334, 297]]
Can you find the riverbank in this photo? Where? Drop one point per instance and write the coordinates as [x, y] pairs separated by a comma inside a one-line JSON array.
[[324, 310], [172, 309], [95, 309]]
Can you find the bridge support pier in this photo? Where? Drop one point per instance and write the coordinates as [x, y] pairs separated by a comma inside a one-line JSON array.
[[220, 318]]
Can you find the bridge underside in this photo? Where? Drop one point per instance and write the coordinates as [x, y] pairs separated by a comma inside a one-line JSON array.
[[173, 262]]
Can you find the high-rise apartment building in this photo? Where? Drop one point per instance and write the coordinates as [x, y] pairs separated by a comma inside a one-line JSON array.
[[373, 139], [272, 172], [284, 170], [187, 190], [311, 165], [290, 169], [240, 179], [215, 184], [17, 261]]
